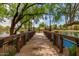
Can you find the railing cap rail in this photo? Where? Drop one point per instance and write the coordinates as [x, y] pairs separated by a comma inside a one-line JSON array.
[[11, 36]]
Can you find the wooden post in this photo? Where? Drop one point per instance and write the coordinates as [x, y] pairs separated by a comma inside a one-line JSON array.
[[56, 40], [51, 36], [1, 42], [17, 44], [77, 48], [20, 41], [24, 41], [61, 44]]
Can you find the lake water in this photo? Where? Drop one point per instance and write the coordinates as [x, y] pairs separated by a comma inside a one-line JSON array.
[[66, 42], [4, 34], [73, 34]]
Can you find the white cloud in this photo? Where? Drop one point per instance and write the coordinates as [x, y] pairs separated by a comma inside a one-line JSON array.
[[6, 23], [41, 20]]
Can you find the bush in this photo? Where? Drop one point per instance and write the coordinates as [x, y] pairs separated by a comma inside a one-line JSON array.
[[72, 50], [16, 45], [11, 51]]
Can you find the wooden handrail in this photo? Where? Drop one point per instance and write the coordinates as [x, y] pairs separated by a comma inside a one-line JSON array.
[[74, 39], [60, 46], [12, 37]]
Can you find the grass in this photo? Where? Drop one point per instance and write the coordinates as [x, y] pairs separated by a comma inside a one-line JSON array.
[[10, 50], [72, 50], [16, 45], [0, 32]]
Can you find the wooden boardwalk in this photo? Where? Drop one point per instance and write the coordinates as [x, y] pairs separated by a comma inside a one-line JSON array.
[[38, 45]]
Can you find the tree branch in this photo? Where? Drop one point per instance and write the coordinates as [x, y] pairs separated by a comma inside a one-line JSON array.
[[29, 6], [21, 25], [16, 14], [17, 8], [24, 8]]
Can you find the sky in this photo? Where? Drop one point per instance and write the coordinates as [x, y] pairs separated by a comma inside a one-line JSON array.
[[46, 21], [6, 23]]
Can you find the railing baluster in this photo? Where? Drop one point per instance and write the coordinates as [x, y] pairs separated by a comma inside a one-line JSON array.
[[61, 44], [16, 41], [77, 48]]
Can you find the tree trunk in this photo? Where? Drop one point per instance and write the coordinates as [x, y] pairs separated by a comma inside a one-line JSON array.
[[29, 26], [17, 17], [12, 27], [70, 14], [14, 22], [50, 24]]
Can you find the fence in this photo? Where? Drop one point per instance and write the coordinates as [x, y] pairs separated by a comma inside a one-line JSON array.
[[58, 40], [12, 44]]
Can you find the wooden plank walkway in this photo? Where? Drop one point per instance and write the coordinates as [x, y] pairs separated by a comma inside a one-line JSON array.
[[38, 45]]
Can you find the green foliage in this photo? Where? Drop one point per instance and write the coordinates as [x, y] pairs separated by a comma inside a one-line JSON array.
[[72, 50], [2, 10], [11, 52], [11, 9], [63, 27], [4, 29], [0, 32], [42, 24], [57, 10], [54, 26], [7, 10], [38, 29], [57, 17], [16, 45]]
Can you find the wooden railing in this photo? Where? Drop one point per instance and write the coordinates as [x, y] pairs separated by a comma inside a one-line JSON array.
[[12, 44], [74, 39], [58, 36], [48, 34]]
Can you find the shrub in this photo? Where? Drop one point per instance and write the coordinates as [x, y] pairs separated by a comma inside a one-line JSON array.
[[16, 45], [72, 50], [11, 51]]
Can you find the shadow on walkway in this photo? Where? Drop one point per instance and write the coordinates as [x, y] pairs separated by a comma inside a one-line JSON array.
[[38, 45]]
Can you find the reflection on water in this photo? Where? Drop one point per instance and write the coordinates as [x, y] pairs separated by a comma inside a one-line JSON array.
[[74, 34]]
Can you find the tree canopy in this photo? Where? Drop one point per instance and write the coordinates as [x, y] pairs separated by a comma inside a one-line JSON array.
[[21, 13]]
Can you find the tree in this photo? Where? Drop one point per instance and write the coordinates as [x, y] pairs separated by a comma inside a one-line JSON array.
[[19, 16], [7, 28], [69, 10], [21, 13], [54, 26], [42, 24], [18, 12]]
